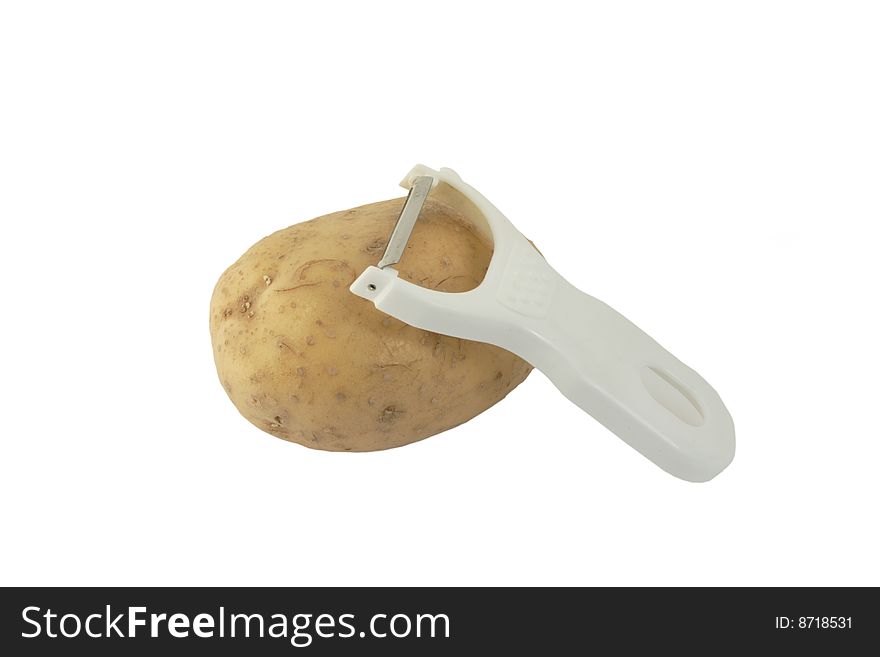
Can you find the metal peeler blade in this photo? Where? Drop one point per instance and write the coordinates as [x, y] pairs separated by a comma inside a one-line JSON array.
[[418, 193]]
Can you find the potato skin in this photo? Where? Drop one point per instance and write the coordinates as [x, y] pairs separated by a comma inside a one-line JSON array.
[[304, 359]]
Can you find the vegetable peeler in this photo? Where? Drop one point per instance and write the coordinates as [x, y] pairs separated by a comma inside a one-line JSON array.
[[597, 358]]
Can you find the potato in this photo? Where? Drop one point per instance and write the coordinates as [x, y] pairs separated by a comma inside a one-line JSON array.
[[306, 360]]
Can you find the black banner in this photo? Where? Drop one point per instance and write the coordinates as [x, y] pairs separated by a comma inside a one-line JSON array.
[[418, 621]]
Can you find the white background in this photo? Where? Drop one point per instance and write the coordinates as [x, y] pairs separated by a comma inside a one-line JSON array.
[[711, 170]]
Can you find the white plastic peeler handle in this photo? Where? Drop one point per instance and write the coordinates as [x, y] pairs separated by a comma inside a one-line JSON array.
[[596, 357]]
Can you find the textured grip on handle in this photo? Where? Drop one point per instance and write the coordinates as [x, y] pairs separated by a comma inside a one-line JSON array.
[[618, 374], [614, 371]]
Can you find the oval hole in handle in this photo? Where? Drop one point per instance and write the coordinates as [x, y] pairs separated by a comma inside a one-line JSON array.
[[672, 395]]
